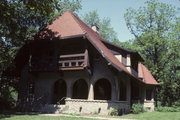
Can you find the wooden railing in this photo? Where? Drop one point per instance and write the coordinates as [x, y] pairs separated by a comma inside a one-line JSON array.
[[73, 61], [64, 62]]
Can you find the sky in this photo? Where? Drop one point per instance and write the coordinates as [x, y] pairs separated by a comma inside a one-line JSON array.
[[115, 9]]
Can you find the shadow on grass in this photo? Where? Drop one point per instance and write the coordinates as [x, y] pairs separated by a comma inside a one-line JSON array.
[[2, 116], [10, 114]]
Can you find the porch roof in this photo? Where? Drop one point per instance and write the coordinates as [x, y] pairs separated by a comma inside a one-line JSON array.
[[145, 75]]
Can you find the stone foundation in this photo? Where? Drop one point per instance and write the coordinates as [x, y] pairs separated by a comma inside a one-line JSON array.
[[149, 105], [102, 107]]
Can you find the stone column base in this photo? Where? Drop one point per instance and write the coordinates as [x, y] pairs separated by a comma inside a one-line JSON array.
[[149, 105]]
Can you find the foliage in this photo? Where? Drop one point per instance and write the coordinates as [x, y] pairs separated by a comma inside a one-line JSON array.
[[156, 31], [167, 109], [137, 108], [113, 112], [20, 19], [176, 104], [105, 29]]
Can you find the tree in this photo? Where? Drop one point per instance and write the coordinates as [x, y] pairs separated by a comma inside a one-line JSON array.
[[105, 29], [20, 19], [153, 27]]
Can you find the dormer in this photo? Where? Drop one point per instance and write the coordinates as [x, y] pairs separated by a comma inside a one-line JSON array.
[[129, 61]]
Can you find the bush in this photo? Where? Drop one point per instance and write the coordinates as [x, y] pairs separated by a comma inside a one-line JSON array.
[[113, 112], [167, 109], [137, 108], [176, 104]]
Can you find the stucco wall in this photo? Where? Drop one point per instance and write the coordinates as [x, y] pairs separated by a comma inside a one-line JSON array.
[[44, 87], [44, 81]]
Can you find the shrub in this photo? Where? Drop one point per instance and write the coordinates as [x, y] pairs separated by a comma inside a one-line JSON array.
[[167, 109], [113, 112], [137, 108], [176, 104]]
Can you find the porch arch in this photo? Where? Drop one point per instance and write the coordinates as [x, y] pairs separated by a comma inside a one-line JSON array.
[[60, 90], [80, 89], [102, 90]]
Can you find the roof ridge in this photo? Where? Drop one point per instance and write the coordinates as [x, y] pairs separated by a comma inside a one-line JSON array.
[[77, 21]]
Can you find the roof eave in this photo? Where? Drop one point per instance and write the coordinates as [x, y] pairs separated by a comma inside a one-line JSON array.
[[73, 36]]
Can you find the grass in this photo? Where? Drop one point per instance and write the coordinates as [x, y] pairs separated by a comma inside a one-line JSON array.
[[141, 116], [40, 117], [154, 116]]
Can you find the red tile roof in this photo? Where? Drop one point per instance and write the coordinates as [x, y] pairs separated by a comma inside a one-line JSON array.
[[68, 25], [146, 75]]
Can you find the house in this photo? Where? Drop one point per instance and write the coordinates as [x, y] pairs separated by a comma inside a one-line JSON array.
[[69, 66]]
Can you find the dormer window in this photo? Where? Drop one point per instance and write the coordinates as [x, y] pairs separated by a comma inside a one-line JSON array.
[[124, 62]]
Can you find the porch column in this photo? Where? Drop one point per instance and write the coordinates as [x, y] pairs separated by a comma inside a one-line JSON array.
[[91, 92], [128, 93], [69, 90], [152, 96], [113, 92], [144, 94]]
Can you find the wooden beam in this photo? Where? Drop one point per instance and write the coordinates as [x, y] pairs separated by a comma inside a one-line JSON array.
[[71, 55], [72, 68]]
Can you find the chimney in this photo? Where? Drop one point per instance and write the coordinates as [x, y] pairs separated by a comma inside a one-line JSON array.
[[95, 27]]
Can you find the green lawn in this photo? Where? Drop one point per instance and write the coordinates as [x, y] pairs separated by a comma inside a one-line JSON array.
[[154, 116], [40, 117], [142, 116]]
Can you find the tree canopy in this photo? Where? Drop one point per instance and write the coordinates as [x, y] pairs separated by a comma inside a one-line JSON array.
[[156, 31], [105, 29], [21, 19]]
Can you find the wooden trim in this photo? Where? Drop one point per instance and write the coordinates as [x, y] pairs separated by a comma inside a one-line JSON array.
[[71, 68], [72, 55], [67, 61]]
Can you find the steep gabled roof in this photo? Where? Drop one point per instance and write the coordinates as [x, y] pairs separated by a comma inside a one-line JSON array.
[[146, 75], [68, 25]]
